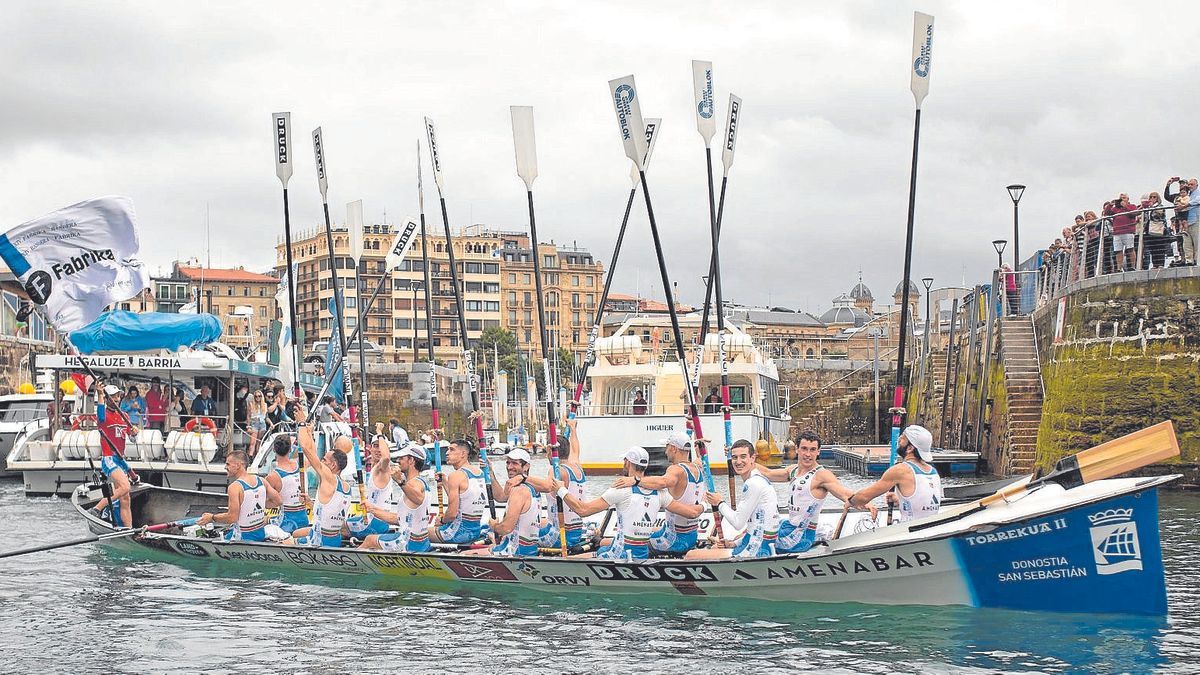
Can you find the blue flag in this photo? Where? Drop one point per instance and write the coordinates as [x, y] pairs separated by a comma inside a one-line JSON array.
[[333, 352]]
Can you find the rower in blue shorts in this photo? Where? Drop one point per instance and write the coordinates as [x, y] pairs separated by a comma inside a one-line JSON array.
[[285, 479], [684, 481], [249, 498], [517, 533], [380, 495], [413, 507], [466, 497]]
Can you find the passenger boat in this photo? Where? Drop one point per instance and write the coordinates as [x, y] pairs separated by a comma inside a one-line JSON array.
[[631, 360], [17, 411], [51, 454], [1091, 549]]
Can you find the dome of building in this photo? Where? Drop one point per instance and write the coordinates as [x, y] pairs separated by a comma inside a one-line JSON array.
[[844, 312], [913, 290], [860, 290]]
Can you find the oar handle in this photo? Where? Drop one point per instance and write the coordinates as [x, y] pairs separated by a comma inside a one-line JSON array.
[[837, 531]]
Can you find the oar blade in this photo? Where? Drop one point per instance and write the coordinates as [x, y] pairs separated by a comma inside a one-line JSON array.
[[629, 118], [706, 108], [524, 143], [435, 157], [731, 126], [652, 126], [281, 122], [921, 55], [1132, 451], [354, 223], [319, 155], [402, 243]]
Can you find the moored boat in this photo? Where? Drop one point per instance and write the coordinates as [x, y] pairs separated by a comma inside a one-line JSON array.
[[1093, 548]]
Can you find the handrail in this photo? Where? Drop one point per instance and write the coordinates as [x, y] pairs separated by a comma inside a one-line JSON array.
[[1037, 354], [869, 364]]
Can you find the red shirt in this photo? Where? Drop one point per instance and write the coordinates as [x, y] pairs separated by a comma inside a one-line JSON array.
[[156, 405], [1121, 223], [113, 429]]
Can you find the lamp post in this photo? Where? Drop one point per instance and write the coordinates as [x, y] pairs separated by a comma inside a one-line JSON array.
[[999, 245], [1014, 192]]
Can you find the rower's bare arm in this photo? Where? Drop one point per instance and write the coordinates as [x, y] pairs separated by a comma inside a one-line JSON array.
[[274, 480], [453, 488], [886, 482], [499, 490], [583, 508], [233, 507], [685, 510], [274, 499], [540, 483], [573, 453], [781, 475], [414, 492], [389, 517], [518, 505]]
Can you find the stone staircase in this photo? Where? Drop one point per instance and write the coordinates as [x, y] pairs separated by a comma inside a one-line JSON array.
[[1022, 381]]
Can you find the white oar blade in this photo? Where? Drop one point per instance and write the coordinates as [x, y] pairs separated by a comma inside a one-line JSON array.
[[319, 154], [402, 243], [922, 54], [354, 223], [652, 125], [524, 143], [731, 127], [282, 123], [629, 118], [706, 109], [434, 157]]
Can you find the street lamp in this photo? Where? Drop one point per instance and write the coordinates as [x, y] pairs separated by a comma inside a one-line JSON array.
[[1015, 192], [999, 245]]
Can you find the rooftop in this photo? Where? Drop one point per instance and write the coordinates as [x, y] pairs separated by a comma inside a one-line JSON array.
[[217, 274]]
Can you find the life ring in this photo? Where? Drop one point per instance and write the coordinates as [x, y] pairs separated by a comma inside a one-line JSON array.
[[191, 424], [79, 420]]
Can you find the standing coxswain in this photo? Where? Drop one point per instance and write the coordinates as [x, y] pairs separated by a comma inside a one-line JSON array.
[[683, 479], [637, 509], [333, 494], [380, 496], [285, 479], [811, 483], [412, 509], [466, 497], [115, 428], [757, 512], [918, 488], [249, 498]]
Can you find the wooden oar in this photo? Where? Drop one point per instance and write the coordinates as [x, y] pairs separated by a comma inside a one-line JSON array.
[[100, 537], [837, 531], [1129, 452]]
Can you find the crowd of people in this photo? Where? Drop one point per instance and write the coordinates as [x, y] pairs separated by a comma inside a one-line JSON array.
[[1162, 227]]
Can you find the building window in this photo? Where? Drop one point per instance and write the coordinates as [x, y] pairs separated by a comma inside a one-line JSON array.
[[528, 337], [528, 297], [549, 261], [591, 281], [491, 287], [491, 306], [262, 312], [528, 316], [526, 279], [575, 280], [512, 277], [512, 316], [512, 297]]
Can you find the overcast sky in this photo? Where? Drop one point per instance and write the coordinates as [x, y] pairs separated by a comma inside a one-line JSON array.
[[170, 103]]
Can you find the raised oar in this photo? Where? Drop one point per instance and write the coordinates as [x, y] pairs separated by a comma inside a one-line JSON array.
[[357, 431], [473, 381], [652, 126], [1118, 456], [629, 120], [282, 123], [433, 398], [525, 147], [101, 537], [706, 125], [919, 83], [731, 126], [354, 223]]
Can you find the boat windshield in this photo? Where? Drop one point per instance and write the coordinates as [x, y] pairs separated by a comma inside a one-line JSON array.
[[21, 411]]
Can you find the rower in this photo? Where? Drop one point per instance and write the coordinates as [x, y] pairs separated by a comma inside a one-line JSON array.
[[811, 483], [333, 494], [115, 428], [918, 488], [413, 509], [285, 479], [466, 496], [636, 508], [570, 464], [757, 512], [684, 481], [517, 533], [380, 496], [249, 498]]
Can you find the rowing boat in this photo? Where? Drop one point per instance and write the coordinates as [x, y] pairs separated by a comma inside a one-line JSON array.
[[1094, 548]]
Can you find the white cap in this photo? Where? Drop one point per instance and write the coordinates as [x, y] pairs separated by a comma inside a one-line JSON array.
[[920, 438], [412, 450], [112, 390], [637, 456], [519, 454], [678, 439]]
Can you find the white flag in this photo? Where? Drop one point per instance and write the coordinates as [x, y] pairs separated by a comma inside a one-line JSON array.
[[77, 260], [287, 349]]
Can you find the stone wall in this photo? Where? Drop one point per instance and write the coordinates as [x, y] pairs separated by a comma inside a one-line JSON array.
[[840, 408], [14, 363], [401, 390], [1129, 356]]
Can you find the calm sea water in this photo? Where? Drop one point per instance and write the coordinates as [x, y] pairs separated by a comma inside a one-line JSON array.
[[81, 609]]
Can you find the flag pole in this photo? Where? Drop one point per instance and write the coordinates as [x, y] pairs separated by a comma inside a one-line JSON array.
[[919, 83], [435, 159], [629, 119], [652, 126], [433, 397]]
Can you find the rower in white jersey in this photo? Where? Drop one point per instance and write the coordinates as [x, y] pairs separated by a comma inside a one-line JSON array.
[[685, 482], [380, 496], [637, 510], [517, 533], [466, 497], [249, 498], [414, 507], [918, 488], [333, 494], [757, 513], [574, 479], [285, 479], [810, 484]]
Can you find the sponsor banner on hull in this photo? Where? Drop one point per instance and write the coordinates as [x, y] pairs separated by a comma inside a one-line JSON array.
[[1101, 557], [480, 570], [400, 565], [326, 560]]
